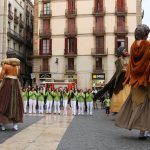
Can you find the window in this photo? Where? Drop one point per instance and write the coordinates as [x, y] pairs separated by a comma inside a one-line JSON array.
[[98, 63], [9, 7], [46, 8], [70, 63], [121, 23], [100, 45], [71, 25], [98, 5], [120, 5], [46, 26], [71, 5], [45, 46], [121, 41], [71, 45], [45, 66], [99, 24]]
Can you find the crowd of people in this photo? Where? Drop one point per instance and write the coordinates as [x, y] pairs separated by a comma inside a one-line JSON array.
[[45, 100]]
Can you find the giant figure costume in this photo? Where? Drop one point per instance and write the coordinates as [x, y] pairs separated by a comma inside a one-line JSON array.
[[135, 113], [114, 87]]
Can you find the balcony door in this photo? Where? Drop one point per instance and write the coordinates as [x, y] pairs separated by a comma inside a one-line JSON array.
[[100, 45], [46, 26], [98, 63], [46, 8], [70, 63], [99, 24], [120, 5], [45, 46], [71, 5], [98, 5], [71, 25], [45, 66], [121, 23]]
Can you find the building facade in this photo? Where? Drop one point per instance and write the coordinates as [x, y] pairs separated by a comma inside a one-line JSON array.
[[16, 33], [76, 40]]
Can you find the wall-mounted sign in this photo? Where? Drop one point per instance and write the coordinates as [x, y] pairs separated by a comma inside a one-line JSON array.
[[98, 80], [98, 76], [44, 75]]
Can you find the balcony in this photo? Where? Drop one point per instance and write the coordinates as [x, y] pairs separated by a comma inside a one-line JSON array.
[[15, 53], [45, 34], [121, 30], [45, 53], [97, 69], [70, 33], [70, 53], [98, 52], [11, 33], [44, 69], [97, 12], [99, 31], [16, 19], [21, 23], [10, 15], [47, 14], [70, 70], [71, 13]]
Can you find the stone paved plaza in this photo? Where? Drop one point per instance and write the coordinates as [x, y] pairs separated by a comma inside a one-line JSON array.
[[51, 132]]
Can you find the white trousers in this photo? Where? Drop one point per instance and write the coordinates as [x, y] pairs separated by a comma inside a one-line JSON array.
[[25, 106], [80, 108], [65, 106], [73, 107], [90, 108], [41, 105], [56, 106], [49, 106], [32, 106]]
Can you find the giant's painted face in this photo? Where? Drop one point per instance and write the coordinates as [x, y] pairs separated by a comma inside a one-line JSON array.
[[125, 53]]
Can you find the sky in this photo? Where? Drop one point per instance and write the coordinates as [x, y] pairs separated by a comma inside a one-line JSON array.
[[146, 8]]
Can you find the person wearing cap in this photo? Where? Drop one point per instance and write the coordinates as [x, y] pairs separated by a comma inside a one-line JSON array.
[[135, 112], [11, 103]]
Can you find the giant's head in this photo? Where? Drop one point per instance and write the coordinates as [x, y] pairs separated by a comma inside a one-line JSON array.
[[141, 32]]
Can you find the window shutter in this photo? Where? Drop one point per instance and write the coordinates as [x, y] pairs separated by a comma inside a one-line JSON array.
[[50, 46], [66, 45], [116, 45], [126, 43], [41, 46], [75, 45]]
